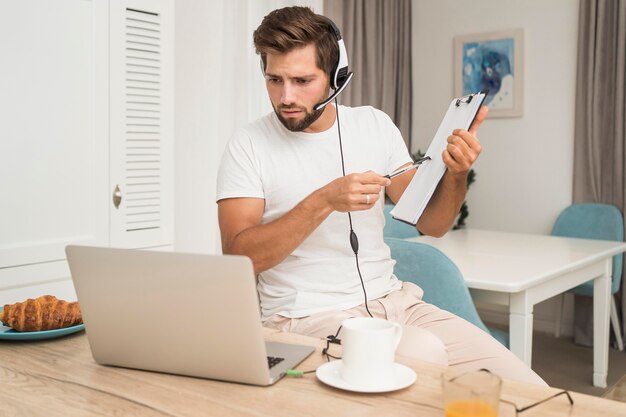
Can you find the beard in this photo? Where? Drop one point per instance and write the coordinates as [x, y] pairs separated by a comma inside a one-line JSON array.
[[298, 125]]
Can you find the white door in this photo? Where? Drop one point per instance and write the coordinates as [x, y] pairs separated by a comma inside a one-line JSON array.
[[86, 103], [142, 125], [54, 167]]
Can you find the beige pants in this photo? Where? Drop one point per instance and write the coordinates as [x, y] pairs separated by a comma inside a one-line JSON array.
[[429, 334]]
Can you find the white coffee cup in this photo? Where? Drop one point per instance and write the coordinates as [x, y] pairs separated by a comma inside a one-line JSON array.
[[368, 351]]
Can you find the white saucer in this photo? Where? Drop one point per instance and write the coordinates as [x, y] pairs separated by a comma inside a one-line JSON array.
[[329, 374]]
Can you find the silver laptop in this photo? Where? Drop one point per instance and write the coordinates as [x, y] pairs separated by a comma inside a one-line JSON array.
[[179, 313]]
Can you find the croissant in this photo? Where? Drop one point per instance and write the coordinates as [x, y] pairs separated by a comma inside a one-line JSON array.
[[43, 313]]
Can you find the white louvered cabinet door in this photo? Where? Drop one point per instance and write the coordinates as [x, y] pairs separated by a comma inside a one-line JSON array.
[[141, 121]]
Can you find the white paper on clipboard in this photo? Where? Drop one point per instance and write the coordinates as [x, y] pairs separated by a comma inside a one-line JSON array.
[[460, 115]]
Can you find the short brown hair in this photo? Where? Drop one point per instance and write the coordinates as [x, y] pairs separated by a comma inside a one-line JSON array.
[[296, 27]]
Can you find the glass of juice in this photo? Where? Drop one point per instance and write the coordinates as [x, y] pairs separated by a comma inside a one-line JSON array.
[[471, 393]]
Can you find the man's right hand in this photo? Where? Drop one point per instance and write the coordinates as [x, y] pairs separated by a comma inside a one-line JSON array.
[[354, 192], [268, 244]]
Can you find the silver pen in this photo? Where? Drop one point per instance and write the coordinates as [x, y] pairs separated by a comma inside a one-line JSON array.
[[405, 169]]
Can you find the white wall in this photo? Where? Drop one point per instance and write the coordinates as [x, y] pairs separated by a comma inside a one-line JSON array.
[[219, 87], [198, 40], [524, 174]]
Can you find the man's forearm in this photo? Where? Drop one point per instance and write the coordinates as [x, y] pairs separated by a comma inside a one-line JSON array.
[[444, 206], [269, 244]]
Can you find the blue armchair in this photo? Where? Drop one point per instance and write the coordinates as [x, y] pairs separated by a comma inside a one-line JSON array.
[[440, 279], [396, 228], [593, 221]]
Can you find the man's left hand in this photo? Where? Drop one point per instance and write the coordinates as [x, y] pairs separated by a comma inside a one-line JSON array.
[[463, 146]]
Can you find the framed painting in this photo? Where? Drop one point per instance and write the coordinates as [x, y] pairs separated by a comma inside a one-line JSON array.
[[492, 61]]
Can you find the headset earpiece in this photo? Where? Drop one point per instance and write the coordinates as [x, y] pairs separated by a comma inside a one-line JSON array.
[[340, 76], [340, 73]]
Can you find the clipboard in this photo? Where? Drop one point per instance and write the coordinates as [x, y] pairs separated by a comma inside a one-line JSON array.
[[460, 115]]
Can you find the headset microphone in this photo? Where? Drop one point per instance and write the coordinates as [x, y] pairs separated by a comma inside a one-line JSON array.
[[338, 91]]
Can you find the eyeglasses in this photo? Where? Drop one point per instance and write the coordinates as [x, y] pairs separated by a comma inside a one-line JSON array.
[[528, 407]]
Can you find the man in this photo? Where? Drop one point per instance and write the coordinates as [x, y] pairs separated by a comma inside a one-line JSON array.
[[282, 201]]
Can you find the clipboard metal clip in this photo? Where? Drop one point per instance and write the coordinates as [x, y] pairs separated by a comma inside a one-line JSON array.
[[465, 99], [468, 98]]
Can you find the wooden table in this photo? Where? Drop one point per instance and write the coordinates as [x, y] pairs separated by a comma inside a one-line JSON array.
[[520, 270], [59, 378], [617, 391]]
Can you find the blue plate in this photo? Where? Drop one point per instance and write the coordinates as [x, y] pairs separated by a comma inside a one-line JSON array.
[[7, 333]]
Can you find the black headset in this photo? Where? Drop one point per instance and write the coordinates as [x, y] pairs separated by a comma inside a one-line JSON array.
[[340, 76]]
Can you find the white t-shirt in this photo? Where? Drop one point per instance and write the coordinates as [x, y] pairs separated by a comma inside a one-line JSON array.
[[265, 160]]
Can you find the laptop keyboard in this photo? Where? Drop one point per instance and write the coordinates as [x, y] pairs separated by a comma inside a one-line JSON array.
[[273, 361]]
